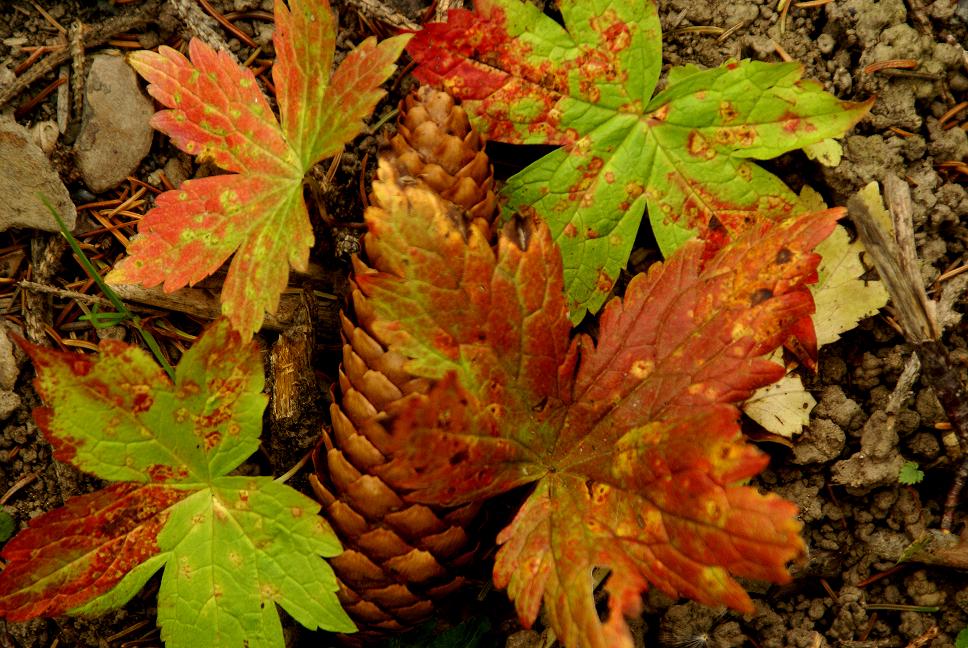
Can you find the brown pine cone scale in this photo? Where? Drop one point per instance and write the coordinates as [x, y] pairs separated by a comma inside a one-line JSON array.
[[436, 144]]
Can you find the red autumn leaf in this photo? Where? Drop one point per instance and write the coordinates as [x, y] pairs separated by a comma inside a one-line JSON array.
[[78, 552], [218, 112], [631, 439]]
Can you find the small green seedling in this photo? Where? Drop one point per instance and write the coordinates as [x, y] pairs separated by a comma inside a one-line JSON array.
[[910, 474]]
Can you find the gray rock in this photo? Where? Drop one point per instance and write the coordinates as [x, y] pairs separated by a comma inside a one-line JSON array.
[[26, 172], [115, 135]]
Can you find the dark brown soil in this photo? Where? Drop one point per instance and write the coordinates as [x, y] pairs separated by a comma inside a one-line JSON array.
[[848, 591]]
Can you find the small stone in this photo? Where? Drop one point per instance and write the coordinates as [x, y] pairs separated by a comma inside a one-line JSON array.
[[26, 172], [826, 43], [10, 359], [45, 135], [115, 135], [925, 444], [942, 9], [9, 402], [877, 464], [18, 434], [112, 333], [176, 171]]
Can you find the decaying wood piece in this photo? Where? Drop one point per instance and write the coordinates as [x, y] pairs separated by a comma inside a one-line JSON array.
[[202, 26], [379, 11], [45, 255], [897, 265], [295, 404]]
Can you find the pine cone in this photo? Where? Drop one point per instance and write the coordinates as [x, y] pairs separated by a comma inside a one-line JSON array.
[[436, 144], [398, 557]]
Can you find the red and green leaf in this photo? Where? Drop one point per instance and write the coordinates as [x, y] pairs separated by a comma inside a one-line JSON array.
[[217, 112], [587, 87], [231, 547], [631, 439]]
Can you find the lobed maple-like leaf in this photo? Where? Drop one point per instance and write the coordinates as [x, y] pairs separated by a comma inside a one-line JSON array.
[[232, 547], [631, 440], [588, 87], [217, 112]]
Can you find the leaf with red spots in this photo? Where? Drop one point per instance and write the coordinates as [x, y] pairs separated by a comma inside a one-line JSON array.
[[588, 87], [630, 440], [231, 547], [218, 113]]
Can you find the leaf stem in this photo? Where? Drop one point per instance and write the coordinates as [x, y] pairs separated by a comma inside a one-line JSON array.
[[108, 292], [286, 476]]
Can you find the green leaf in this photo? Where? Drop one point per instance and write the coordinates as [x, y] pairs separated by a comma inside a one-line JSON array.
[[469, 634], [232, 547], [587, 86], [961, 641], [7, 525]]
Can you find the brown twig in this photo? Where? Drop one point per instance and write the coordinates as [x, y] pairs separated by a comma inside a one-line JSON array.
[[225, 22], [93, 37], [921, 16], [200, 25], [784, 10], [16, 486], [892, 64], [953, 111], [32, 103], [196, 302], [730, 31], [34, 56], [78, 71], [911, 74], [49, 18], [379, 11]]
